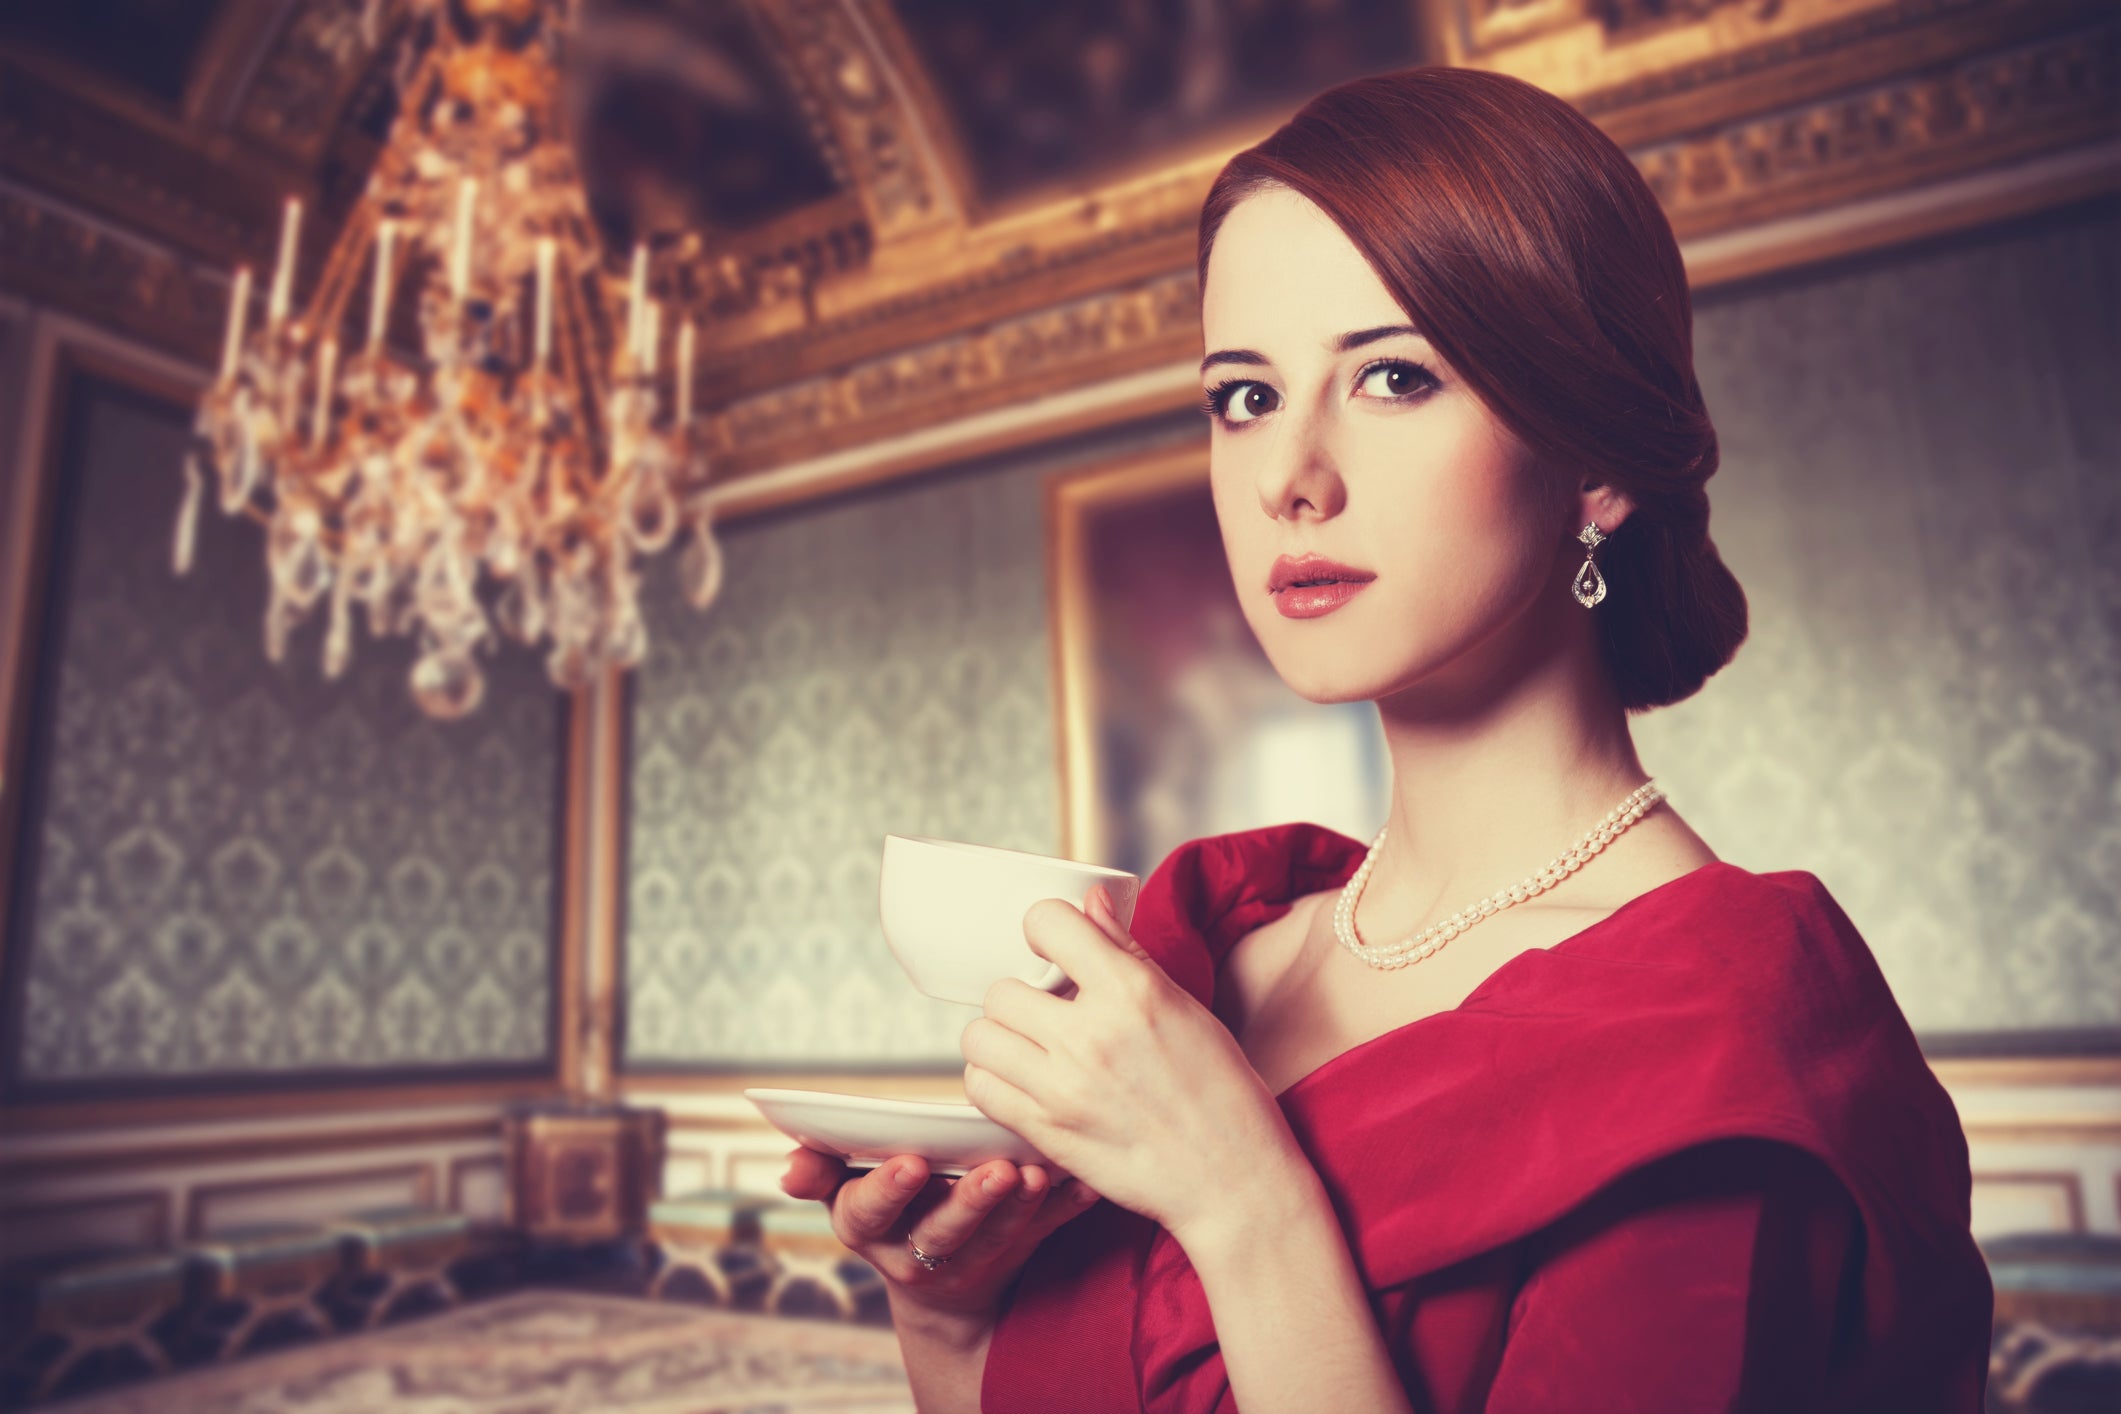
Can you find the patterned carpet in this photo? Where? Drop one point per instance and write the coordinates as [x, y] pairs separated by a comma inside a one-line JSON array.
[[541, 1352]]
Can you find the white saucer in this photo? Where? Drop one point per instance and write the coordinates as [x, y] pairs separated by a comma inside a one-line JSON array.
[[864, 1130]]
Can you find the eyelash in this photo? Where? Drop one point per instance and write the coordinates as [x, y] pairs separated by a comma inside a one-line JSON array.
[[1217, 403]]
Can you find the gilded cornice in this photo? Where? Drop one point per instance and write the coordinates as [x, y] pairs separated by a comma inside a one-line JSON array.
[[1050, 349], [904, 300], [98, 272], [2053, 92], [301, 84]]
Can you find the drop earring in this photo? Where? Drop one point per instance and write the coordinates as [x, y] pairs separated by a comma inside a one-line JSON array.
[[1589, 584]]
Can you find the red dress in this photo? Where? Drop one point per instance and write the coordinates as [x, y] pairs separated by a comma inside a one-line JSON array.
[[1688, 1159]]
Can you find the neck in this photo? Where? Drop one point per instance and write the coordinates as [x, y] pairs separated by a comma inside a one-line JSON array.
[[1496, 768]]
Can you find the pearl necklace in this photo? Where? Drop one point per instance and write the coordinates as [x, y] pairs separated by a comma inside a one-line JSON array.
[[1429, 939]]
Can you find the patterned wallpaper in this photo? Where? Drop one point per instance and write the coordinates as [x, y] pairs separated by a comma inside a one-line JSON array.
[[237, 870], [877, 664], [1919, 493]]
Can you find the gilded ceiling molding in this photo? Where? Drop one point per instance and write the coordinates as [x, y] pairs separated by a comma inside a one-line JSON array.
[[2038, 97], [58, 256], [882, 127], [142, 172], [1045, 352], [1042, 253], [302, 83]]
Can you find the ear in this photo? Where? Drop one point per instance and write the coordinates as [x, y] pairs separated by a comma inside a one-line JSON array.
[[1603, 503]]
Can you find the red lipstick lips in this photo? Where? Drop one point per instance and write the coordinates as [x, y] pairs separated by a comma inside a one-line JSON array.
[[1310, 586]]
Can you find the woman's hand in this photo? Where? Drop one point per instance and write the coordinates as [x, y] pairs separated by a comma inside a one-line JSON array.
[[986, 1223], [1130, 1084]]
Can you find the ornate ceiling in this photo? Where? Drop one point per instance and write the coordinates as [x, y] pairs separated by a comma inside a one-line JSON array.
[[897, 215]]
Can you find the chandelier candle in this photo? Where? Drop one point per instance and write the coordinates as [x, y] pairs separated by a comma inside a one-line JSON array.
[[546, 252], [283, 275], [379, 289], [238, 312], [327, 365], [460, 253], [686, 334], [637, 300]]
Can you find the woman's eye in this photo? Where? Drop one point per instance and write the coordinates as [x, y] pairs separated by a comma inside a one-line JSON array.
[[1400, 378], [1228, 400]]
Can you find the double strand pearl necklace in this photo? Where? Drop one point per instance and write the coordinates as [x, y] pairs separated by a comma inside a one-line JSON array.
[[1428, 940]]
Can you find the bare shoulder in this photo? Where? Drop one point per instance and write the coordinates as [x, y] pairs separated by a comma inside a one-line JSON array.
[[1660, 848], [1258, 959]]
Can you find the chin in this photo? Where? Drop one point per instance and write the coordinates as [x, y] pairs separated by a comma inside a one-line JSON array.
[[1348, 670]]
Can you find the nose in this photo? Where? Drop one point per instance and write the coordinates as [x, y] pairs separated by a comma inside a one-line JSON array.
[[1300, 470]]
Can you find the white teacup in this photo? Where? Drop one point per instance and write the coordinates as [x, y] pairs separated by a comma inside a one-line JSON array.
[[953, 913]]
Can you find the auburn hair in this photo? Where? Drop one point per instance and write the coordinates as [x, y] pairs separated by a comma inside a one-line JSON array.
[[1528, 249]]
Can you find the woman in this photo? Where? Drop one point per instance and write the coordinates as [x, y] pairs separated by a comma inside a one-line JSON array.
[[1425, 1124]]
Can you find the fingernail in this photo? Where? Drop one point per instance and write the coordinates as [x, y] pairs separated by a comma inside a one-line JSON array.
[[990, 1185], [906, 1178], [1101, 900], [1026, 1194]]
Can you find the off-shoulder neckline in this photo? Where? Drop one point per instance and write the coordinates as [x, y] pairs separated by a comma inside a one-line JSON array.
[[1713, 868]]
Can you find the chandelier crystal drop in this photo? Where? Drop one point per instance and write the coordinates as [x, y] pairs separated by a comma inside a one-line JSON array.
[[505, 474]]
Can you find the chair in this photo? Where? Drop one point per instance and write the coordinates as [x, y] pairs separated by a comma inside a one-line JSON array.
[[68, 1311], [392, 1254], [712, 1238], [813, 1272], [246, 1277]]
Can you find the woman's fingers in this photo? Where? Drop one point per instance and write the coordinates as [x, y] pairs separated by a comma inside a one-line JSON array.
[[867, 1207], [944, 1230], [1007, 1218], [812, 1174]]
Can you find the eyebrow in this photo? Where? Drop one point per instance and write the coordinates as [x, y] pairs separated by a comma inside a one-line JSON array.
[[1355, 339]]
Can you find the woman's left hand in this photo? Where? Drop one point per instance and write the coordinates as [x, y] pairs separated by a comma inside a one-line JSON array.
[[1131, 1085]]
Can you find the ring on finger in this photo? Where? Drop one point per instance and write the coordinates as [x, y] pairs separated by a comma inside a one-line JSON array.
[[927, 1259]]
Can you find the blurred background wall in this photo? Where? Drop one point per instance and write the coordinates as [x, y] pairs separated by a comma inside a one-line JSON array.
[[277, 945]]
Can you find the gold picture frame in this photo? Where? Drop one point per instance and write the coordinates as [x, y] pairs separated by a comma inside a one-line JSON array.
[[1171, 724]]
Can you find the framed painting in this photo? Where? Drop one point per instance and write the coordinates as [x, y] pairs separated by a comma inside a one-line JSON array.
[[1172, 723]]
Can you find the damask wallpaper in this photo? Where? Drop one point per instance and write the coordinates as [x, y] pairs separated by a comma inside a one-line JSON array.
[[233, 870], [877, 664], [1919, 493]]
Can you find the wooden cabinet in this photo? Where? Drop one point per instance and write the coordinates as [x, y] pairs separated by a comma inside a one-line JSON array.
[[582, 1172]]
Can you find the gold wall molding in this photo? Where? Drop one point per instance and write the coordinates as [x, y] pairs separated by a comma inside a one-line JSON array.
[[56, 254], [879, 129], [2038, 97], [299, 87], [2064, 1187], [1043, 352], [1965, 1073], [197, 191], [245, 1148], [203, 1202]]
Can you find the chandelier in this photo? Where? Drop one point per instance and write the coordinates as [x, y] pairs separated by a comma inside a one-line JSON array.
[[506, 473]]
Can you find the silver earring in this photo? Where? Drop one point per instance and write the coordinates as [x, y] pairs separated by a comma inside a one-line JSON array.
[[1589, 585]]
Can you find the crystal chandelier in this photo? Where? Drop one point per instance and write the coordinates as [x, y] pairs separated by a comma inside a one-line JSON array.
[[509, 474]]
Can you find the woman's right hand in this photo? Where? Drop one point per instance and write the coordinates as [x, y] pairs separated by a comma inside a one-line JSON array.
[[986, 1223]]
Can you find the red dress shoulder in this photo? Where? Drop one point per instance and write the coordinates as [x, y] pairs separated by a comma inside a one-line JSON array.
[[1689, 1158]]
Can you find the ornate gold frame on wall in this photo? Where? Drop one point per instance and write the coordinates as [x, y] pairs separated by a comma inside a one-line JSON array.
[[1073, 499]]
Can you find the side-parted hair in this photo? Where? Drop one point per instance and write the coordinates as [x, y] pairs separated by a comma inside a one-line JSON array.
[[1525, 245]]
